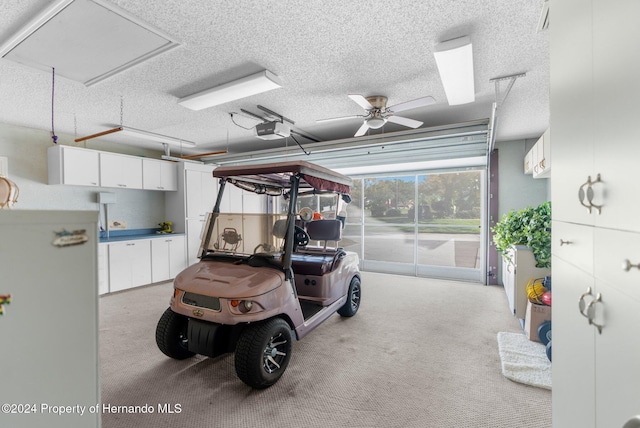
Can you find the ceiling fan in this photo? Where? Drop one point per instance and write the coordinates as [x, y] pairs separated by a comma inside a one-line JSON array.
[[377, 112]]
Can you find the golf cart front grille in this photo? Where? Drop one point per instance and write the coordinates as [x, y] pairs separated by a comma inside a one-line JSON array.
[[208, 302]]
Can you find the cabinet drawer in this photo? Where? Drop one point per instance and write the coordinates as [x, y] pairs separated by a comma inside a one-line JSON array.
[[613, 249], [573, 243]]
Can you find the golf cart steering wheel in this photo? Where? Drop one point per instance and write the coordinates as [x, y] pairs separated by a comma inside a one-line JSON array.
[[300, 237]]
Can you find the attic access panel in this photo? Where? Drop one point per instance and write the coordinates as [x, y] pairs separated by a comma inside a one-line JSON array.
[[86, 41]]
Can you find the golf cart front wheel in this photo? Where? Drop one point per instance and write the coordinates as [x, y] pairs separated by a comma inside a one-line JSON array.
[[171, 335], [263, 353]]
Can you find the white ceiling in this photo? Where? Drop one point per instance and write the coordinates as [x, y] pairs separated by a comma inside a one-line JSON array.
[[321, 50]]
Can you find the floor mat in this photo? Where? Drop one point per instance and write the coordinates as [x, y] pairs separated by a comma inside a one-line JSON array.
[[524, 361]]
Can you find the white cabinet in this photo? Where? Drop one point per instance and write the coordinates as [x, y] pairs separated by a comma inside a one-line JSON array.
[[596, 375], [159, 175], [515, 276], [167, 257], [528, 163], [537, 161], [594, 88], [120, 171], [573, 349], [129, 264], [73, 166], [200, 191], [103, 268], [188, 207], [77, 166], [194, 237]]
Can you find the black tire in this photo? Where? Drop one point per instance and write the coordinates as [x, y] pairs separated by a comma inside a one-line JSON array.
[[352, 304], [544, 332], [549, 350], [263, 353], [171, 335]]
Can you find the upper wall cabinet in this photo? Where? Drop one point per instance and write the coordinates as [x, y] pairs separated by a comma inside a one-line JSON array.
[[120, 171], [538, 160], [73, 166], [159, 175], [84, 167]]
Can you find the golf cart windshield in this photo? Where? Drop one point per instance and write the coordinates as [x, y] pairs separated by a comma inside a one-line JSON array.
[[273, 197]]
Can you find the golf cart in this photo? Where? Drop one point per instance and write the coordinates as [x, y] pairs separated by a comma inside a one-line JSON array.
[[264, 279]]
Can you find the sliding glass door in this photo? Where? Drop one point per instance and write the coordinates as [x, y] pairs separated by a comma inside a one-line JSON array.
[[427, 224]]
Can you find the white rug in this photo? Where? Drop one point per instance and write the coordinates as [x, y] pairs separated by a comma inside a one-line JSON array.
[[524, 361]]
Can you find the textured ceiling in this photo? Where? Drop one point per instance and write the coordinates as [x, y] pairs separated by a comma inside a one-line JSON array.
[[321, 50]]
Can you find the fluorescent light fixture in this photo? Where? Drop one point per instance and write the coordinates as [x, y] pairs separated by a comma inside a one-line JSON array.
[[455, 64], [144, 135], [251, 85]]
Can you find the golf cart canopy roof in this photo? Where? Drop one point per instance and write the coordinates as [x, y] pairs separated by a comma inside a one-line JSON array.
[[259, 177]]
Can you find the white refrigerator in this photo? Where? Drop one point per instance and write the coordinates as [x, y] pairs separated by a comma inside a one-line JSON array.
[[49, 373]]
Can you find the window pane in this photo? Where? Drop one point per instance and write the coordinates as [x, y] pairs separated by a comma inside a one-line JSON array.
[[352, 238], [448, 212], [354, 209], [389, 198], [389, 243]]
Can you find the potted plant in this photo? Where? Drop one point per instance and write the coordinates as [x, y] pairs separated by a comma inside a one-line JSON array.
[[530, 227]]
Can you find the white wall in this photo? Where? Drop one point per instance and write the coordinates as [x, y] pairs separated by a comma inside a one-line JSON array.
[[26, 150], [516, 189]]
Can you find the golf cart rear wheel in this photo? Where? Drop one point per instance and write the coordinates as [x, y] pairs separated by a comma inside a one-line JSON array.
[[352, 304], [263, 353], [171, 335]]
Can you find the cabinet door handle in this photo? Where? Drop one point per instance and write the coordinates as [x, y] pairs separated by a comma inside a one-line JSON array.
[[627, 265], [582, 305], [591, 312], [563, 242], [586, 192]]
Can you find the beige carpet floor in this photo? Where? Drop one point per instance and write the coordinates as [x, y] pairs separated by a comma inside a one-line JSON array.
[[419, 353]]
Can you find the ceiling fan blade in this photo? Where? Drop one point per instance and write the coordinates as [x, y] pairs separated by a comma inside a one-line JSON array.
[[362, 101], [362, 130], [405, 121], [333, 119], [420, 102]]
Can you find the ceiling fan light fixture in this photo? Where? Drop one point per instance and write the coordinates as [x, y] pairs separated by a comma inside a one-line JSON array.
[[376, 122], [257, 83], [455, 65]]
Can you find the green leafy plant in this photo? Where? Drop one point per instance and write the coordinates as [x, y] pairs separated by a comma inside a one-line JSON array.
[[530, 227]]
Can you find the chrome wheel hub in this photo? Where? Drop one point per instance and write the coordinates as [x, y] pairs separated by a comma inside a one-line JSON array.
[[274, 354]]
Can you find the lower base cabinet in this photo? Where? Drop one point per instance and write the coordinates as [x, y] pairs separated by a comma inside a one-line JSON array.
[[516, 273], [168, 258], [596, 375], [129, 264]]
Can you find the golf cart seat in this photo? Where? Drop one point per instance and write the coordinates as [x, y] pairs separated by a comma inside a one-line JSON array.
[[318, 261]]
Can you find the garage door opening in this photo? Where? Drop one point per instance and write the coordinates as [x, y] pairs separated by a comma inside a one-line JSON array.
[[424, 224]]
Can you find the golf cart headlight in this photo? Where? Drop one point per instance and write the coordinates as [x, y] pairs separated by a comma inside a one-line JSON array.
[[242, 305]]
